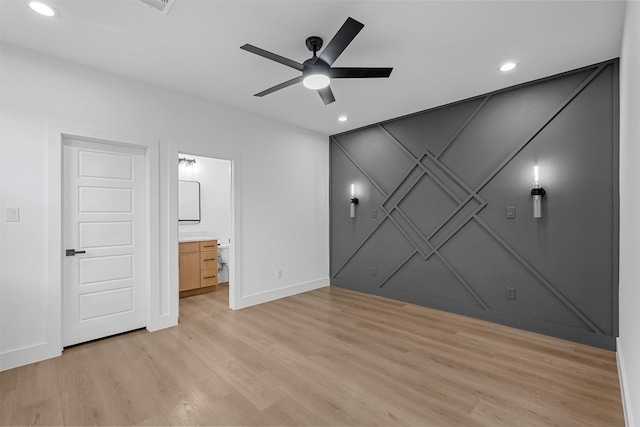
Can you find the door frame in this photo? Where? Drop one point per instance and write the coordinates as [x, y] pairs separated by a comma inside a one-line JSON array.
[[234, 234], [56, 132]]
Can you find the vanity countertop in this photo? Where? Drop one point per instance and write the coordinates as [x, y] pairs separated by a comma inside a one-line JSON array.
[[185, 239]]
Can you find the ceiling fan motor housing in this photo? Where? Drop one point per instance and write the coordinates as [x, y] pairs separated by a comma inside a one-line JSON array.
[[314, 65]]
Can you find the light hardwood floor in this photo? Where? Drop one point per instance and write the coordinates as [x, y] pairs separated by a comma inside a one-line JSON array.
[[327, 357]]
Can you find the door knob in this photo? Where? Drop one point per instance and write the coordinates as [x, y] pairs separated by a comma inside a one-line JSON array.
[[72, 252]]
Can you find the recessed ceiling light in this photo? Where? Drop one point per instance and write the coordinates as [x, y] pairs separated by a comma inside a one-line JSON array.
[[342, 118], [508, 66], [43, 9]]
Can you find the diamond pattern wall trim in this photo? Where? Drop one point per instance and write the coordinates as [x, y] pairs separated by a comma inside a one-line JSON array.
[[425, 231]]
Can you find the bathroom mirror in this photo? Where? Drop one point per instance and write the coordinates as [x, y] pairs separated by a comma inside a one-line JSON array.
[[188, 201]]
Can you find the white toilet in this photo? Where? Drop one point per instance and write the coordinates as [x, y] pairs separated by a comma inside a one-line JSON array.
[[223, 263]]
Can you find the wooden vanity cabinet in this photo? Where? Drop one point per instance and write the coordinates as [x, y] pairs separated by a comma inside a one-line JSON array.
[[198, 264]]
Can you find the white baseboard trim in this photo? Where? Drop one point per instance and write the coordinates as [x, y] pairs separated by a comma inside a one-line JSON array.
[[39, 352], [287, 291], [624, 389], [162, 322], [23, 356]]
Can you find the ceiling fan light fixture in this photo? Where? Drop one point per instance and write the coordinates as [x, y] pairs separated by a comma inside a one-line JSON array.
[[316, 81]]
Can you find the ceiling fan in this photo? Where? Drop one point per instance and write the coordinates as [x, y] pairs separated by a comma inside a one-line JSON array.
[[317, 71]]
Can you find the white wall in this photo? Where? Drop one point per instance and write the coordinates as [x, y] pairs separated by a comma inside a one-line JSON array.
[[214, 176], [629, 340], [280, 180]]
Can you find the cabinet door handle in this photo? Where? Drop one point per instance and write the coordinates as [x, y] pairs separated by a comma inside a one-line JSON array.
[[209, 246], [209, 259], [209, 277]]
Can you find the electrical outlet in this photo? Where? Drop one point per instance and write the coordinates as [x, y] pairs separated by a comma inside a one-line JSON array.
[[511, 212], [374, 271], [279, 274], [511, 293]]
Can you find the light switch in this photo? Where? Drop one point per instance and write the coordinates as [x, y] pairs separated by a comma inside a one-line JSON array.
[[12, 215], [374, 213], [511, 212]]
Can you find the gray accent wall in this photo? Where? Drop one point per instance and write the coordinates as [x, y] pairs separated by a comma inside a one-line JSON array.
[[431, 226]]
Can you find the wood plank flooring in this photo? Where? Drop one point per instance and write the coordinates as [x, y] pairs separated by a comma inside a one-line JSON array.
[[327, 357]]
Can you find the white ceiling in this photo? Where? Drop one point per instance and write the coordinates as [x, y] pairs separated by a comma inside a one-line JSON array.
[[441, 51]]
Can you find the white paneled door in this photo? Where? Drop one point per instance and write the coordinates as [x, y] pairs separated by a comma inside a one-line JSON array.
[[104, 266]]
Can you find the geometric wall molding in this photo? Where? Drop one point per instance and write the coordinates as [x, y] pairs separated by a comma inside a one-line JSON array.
[[433, 188]]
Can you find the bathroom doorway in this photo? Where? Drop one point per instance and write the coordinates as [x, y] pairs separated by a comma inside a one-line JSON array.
[[204, 224]]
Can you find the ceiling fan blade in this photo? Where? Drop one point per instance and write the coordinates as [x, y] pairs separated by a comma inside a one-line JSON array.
[[358, 73], [341, 40], [327, 95], [272, 56], [280, 86]]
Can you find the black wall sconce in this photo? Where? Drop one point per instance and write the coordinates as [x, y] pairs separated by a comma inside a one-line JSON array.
[[537, 192], [354, 202]]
